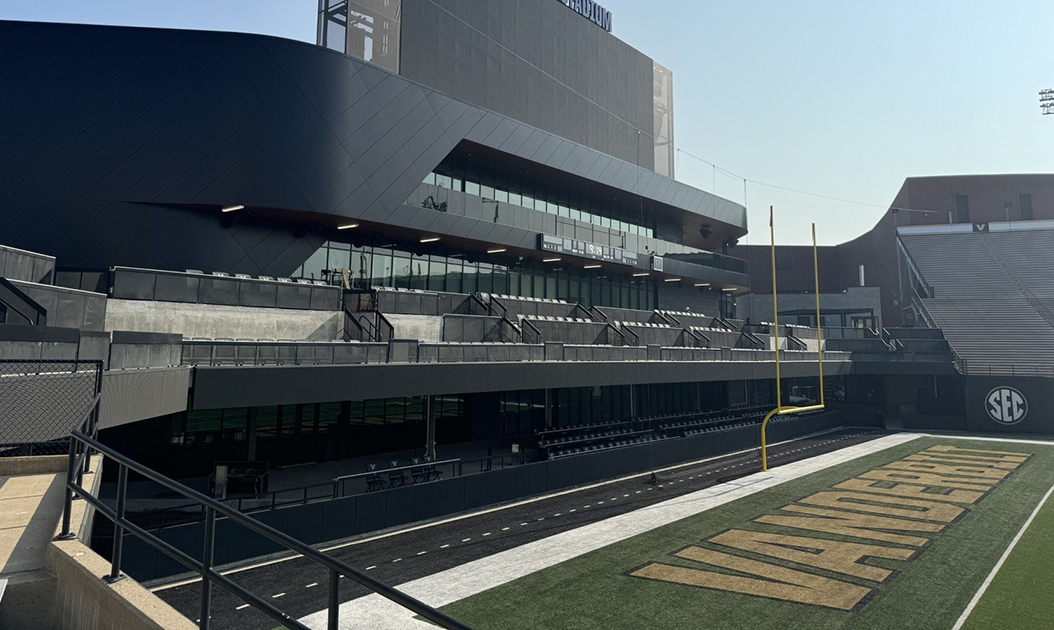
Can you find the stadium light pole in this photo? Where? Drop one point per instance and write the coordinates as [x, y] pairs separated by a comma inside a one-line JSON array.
[[780, 410]]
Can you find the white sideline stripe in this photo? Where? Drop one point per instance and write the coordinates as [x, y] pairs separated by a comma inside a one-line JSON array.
[[498, 508], [998, 565], [446, 587]]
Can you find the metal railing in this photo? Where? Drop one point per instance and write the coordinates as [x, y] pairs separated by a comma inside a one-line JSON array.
[[1002, 369], [41, 400], [16, 301], [337, 485], [199, 288], [536, 334], [82, 444]]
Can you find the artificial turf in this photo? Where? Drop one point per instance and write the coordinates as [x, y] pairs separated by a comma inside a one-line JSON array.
[[1022, 593], [930, 591]]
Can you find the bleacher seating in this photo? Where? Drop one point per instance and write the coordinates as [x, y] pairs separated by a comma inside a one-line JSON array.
[[990, 293], [586, 438]]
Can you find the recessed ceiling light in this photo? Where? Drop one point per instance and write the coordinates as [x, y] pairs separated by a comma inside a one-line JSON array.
[[348, 226], [593, 266], [551, 259], [232, 208], [702, 284], [672, 280], [430, 239], [496, 251], [638, 275], [731, 289]]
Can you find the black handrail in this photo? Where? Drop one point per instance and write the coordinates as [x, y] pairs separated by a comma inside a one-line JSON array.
[[496, 302], [536, 332], [84, 444], [474, 297], [11, 296], [596, 309], [506, 322], [703, 340], [669, 319], [349, 316], [381, 319], [579, 307], [623, 336]]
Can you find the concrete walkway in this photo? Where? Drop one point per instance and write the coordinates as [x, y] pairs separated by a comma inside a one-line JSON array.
[[30, 509]]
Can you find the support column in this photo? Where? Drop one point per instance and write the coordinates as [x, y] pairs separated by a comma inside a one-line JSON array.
[[251, 430], [430, 427]]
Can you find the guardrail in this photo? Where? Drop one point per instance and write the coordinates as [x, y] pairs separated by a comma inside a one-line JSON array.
[[82, 445], [16, 302], [1003, 369], [132, 283]]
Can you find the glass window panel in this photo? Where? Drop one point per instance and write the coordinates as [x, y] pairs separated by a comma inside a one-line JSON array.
[[563, 211], [401, 272], [453, 275], [314, 265], [538, 289], [552, 208], [539, 204], [455, 183], [339, 259], [516, 199], [487, 192], [469, 279], [501, 195], [444, 181], [486, 282], [437, 274], [382, 268], [430, 179], [550, 286], [419, 272], [472, 188]]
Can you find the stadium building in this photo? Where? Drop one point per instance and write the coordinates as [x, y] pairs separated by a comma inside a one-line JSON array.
[[437, 261]]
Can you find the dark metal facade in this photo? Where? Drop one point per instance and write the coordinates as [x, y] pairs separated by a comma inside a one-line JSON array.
[[543, 64], [119, 146]]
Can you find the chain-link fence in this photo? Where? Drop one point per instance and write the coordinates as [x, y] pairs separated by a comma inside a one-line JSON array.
[[41, 401]]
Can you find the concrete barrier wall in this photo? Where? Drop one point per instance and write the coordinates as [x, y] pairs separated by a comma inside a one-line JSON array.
[[82, 600], [68, 308], [315, 523], [211, 321], [18, 264], [471, 328]]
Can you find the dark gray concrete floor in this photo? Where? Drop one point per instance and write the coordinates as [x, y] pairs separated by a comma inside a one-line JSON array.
[[298, 586]]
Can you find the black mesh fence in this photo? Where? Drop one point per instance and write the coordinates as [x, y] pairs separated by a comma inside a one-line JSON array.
[[41, 401]]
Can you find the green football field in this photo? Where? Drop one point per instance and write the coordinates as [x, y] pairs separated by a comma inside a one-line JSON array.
[[902, 538]]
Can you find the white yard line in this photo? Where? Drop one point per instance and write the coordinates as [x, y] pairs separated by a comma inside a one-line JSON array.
[[998, 565], [446, 587]]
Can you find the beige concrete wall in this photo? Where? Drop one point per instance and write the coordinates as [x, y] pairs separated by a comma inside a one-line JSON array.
[[420, 327], [66, 590], [85, 601], [214, 322], [32, 465]]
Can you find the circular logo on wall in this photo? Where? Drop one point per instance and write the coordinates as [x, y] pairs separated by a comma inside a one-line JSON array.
[[1006, 405]]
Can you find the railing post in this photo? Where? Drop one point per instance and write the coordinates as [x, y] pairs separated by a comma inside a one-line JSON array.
[[334, 601], [118, 529], [206, 566], [67, 506]]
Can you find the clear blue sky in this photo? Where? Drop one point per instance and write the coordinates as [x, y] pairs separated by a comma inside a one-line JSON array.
[[837, 98]]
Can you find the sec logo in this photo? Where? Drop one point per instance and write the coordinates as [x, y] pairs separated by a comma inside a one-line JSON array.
[[1006, 405]]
